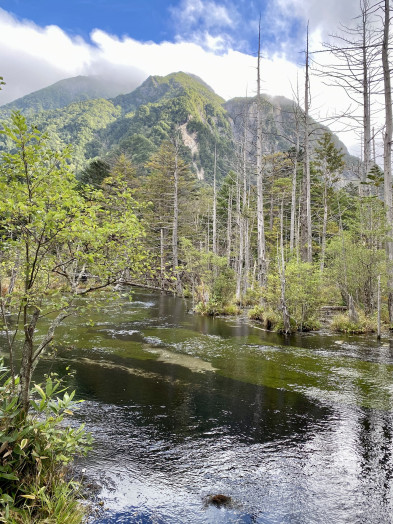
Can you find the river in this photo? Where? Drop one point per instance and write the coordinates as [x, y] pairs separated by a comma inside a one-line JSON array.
[[294, 429]]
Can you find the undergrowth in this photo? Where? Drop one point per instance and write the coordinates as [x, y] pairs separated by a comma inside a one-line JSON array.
[[35, 450]]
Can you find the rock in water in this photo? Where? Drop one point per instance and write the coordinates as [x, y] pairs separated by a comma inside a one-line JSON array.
[[218, 500]]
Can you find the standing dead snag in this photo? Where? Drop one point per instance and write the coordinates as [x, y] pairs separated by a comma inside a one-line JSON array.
[[261, 247], [387, 152], [306, 248]]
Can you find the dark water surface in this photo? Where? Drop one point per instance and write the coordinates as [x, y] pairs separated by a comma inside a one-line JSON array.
[[295, 430]]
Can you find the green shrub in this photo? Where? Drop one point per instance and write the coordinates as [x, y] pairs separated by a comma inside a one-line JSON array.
[[214, 307], [270, 319], [256, 313], [224, 285], [302, 293], [209, 308], [35, 450], [231, 310], [330, 294], [342, 324], [311, 324], [252, 296]]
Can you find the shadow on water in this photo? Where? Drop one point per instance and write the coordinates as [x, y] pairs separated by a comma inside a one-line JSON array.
[[294, 430]]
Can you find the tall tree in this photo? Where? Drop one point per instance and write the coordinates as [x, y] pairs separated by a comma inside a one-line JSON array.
[[175, 236], [163, 188], [306, 211], [95, 173], [387, 149], [58, 233], [295, 156], [329, 161], [215, 246], [261, 242]]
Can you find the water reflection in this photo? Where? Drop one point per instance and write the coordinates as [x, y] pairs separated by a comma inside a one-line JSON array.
[[295, 430]]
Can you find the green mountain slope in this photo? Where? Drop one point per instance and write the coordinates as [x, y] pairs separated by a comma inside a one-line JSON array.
[[136, 123], [182, 101], [77, 125], [65, 92]]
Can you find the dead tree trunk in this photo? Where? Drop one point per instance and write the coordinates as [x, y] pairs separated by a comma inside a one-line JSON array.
[[307, 236], [281, 265], [162, 258], [387, 153], [229, 226], [246, 226], [215, 202], [261, 274], [240, 252], [175, 240], [294, 182], [324, 225]]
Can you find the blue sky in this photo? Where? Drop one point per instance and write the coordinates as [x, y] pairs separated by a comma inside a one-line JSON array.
[[144, 20], [160, 20]]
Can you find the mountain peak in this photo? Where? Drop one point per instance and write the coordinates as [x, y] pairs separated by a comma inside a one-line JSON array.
[[64, 92], [156, 88]]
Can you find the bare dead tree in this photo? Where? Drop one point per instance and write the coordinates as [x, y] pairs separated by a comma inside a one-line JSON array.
[[175, 239], [297, 117], [261, 248], [215, 202], [306, 227], [281, 268], [355, 68], [387, 149]]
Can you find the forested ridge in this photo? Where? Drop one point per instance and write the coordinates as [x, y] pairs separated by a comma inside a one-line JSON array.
[[190, 161]]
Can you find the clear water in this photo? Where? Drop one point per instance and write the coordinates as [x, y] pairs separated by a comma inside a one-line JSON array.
[[294, 430]]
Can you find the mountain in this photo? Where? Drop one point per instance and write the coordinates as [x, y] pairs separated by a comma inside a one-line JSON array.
[[280, 116], [180, 100], [136, 123], [65, 92]]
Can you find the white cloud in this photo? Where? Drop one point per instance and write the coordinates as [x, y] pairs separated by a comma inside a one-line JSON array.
[[34, 57], [208, 14], [205, 23], [324, 16]]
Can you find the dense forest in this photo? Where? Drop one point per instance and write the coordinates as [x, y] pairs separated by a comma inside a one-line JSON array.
[[247, 206]]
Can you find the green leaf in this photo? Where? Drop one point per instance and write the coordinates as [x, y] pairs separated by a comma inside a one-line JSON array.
[[8, 476], [40, 391]]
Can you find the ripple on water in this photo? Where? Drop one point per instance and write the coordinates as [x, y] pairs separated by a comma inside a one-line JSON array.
[[154, 341], [166, 438]]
